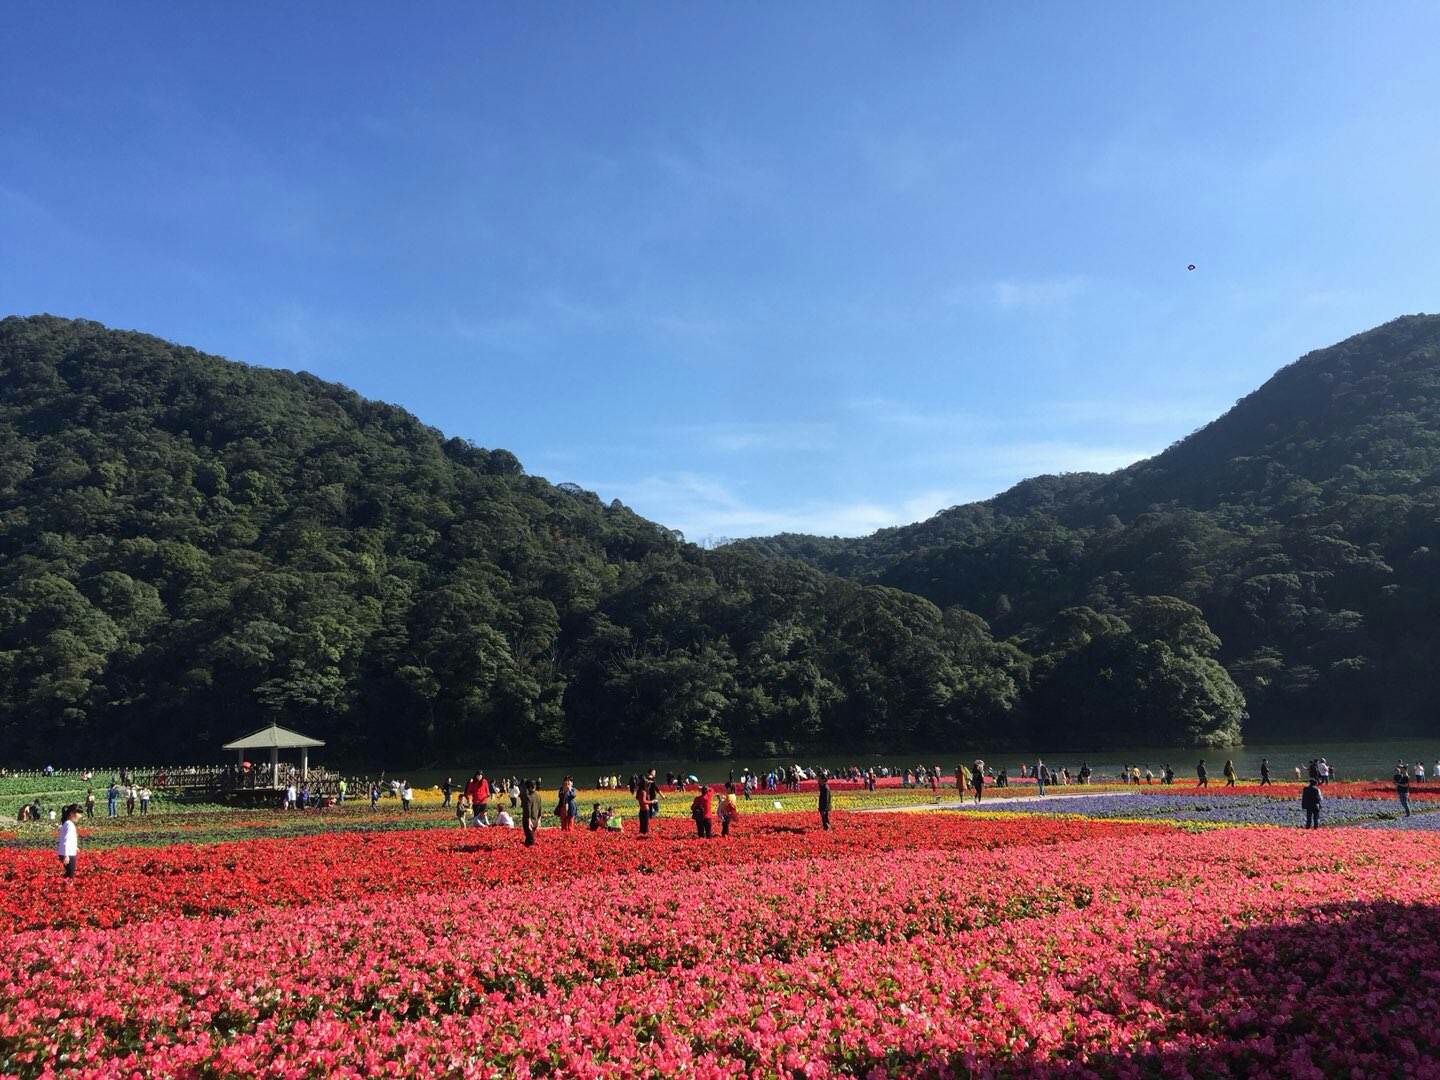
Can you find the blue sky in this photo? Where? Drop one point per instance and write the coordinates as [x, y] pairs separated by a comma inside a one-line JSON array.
[[748, 267]]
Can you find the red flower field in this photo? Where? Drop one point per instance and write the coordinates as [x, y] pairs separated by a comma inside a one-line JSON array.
[[894, 945]]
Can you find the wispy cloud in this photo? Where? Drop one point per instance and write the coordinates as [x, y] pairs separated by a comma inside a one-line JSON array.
[[736, 437], [544, 319], [1038, 294], [706, 509]]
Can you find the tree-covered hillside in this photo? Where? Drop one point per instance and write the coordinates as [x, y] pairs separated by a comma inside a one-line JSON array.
[[190, 547], [1305, 524]]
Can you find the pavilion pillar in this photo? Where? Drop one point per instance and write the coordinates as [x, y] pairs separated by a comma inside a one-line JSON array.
[[304, 763], [240, 758], [275, 766]]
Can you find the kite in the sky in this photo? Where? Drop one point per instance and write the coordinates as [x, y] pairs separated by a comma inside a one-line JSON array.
[[1190, 267]]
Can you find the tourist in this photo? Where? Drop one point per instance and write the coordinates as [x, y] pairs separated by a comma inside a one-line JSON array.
[[1419, 772], [445, 789], [613, 823], [701, 811], [67, 846], [292, 797], [374, 796], [1135, 775], [531, 813], [1040, 774], [131, 794], [462, 807], [823, 802], [977, 779], [1311, 801], [1402, 787], [503, 819], [513, 793], [647, 806], [1229, 773], [112, 800], [1264, 772], [144, 800], [477, 788], [729, 809], [597, 820], [344, 787], [1167, 775], [1202, 777], [407, 793], [565, 806], [1323, 769], [89, 802]]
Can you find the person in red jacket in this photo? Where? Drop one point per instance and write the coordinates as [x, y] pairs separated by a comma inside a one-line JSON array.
[[477, 790], [700, 811]]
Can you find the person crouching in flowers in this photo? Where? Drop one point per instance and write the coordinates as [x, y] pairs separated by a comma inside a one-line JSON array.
[[701, 812], [67, 846]]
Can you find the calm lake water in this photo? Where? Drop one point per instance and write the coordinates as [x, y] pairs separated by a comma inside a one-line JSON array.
[[1354, 760]]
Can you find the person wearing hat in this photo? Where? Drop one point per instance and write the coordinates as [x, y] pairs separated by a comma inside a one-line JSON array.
[[67, 846]]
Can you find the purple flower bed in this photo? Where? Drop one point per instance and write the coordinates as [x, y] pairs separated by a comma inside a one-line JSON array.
[[1225, 809]]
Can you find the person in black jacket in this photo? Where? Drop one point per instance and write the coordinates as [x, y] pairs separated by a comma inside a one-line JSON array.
[[824, 802], [1202, 777], [1264, 772], [1402, 787], [531, 812], [1310, 801]]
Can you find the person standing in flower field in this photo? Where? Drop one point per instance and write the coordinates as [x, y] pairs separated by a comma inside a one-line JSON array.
[[1040, 773], [462, 807], [112, 800], [701, 812], [729, 809], [89, 802], [1264, 772], [67, 846], [531, 813], [1229, 773], [824, 802], [643, 799], [1311, 801], [977, 779], [1402, 787], [1202, 775], [407, 793], [144, 800]]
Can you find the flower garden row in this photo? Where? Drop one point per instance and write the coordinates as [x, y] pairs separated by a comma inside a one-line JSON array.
[[938, 945]]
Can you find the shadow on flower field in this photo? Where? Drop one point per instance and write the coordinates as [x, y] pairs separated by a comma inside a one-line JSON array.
[[1338, 990]]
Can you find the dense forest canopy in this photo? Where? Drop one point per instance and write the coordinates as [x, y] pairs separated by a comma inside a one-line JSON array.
[[190, 547], [1304, 525]]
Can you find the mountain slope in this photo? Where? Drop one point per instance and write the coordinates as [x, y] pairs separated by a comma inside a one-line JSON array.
[[190, 547], [1304, 523]]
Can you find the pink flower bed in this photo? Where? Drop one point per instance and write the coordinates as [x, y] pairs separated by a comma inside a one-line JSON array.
[[973, 949]]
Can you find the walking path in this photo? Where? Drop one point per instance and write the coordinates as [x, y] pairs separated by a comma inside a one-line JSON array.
[[970, 804]]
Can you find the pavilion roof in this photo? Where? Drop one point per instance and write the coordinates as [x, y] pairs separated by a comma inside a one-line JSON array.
[[273, 736]]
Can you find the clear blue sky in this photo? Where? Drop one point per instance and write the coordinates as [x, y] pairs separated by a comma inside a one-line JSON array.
[[746, 266]]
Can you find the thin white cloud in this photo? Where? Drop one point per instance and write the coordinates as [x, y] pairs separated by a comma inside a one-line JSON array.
[[1037, 294], [706, 510], [742, 436]]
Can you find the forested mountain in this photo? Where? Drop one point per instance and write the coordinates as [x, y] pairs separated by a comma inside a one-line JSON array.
[[1304, 523], [190, 547]]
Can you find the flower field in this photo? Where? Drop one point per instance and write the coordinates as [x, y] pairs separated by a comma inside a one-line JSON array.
[[940, 944]]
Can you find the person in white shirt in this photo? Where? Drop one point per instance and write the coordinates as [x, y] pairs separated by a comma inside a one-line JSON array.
[[290, 797], [406, 794], [504, 820], [68, 845]]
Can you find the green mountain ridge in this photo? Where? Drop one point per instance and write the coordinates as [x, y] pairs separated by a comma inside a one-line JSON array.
[[190, 547], [1304, 523]]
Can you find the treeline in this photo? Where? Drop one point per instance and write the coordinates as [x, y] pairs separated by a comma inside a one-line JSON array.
[[190, 547], [1305, 524]]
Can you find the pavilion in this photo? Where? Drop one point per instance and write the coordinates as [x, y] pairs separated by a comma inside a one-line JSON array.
[[276, 738]]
